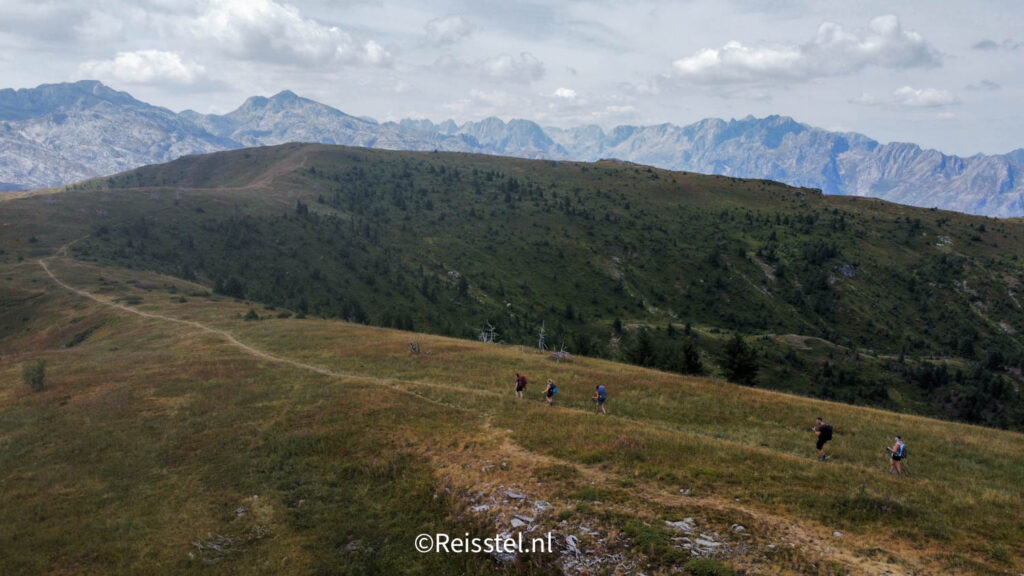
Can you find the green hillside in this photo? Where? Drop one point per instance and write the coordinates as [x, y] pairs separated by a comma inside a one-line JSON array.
[[152, 424], [177, 431], [840, 298]]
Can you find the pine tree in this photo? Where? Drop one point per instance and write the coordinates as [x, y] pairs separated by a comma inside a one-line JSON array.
[[739, 361]]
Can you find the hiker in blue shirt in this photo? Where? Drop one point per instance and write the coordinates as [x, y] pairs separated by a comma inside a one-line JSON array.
[[600, 395], [896, 455], [550, 391]]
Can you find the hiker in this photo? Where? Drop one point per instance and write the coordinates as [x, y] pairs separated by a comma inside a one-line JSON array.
[[600, 395], [824, 432], [520, 385], [896, 455], [550, 391]]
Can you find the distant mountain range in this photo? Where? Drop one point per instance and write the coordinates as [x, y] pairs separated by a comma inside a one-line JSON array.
[[57, 134]]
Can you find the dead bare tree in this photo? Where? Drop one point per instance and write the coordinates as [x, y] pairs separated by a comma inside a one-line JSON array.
[[414, 347], [540, 338], [561, 354], [489, 334]]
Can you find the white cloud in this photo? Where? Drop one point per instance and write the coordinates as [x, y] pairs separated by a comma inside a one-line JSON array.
[[984, 86], [497, 98], [100, 27], [923, 97], [910, 97], [524, 69], [448, 30], [833, 51], [620, 109], [375, 54], [865, 99], [483, 103], [991, 45], [266, 31], [567, 93], [145, 66], [735, 62]]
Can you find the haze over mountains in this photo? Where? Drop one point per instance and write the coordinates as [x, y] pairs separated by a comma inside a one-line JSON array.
[[57, 134]]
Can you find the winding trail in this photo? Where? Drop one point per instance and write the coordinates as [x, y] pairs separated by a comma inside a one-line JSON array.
[[803, 534], [222, 333], [385, 382]]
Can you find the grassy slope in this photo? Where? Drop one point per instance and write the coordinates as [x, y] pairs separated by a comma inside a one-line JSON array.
[[577, 246], [152, 433]]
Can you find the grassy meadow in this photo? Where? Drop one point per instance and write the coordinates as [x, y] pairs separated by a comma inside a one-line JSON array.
[[180, 430], [161, 444]]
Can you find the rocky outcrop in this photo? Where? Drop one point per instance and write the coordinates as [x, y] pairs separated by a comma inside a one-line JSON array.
[[57, 134]]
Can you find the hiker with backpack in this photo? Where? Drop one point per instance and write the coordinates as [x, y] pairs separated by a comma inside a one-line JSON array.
[[600, 395], [824, 432], [550, 391], [897, 453], [520, 385]]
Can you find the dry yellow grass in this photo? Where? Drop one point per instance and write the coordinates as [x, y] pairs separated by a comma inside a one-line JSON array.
[[173, 413]]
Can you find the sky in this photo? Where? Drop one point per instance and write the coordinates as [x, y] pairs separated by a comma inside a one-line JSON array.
[[939, 73]]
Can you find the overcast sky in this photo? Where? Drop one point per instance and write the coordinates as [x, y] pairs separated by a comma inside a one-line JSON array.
[[940, 73]]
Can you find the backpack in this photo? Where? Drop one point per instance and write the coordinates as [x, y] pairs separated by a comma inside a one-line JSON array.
[[901, 450], [826, 432], [554, 390]]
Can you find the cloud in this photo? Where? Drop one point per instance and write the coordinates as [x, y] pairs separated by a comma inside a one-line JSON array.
[[833, 51], [984, 86], [524, 69], [41, 21], [865, 99], [619, 110], [923, 98], [144, 67], [484, 103], [266, 31], [448, 30], [991, 45], [909, 97], [566, 93], [100, 27]]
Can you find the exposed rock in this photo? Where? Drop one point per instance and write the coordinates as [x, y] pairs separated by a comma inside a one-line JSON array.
[[572, 545], [847, 271], [685, 525], [353, 546], [504, 557]]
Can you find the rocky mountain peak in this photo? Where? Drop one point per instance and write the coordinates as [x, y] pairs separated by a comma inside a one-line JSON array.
[[59, 133]]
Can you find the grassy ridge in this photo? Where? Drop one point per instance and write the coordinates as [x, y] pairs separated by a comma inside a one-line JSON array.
[[909, 309], [150, 435], [149, 438], [161, 444]]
